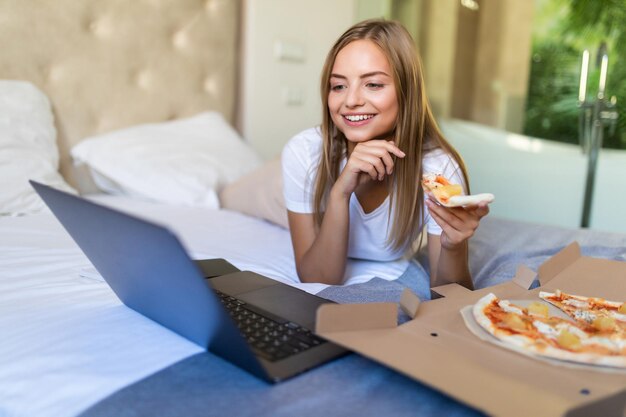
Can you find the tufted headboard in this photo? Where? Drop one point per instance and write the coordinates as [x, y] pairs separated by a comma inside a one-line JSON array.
[[107, 64]]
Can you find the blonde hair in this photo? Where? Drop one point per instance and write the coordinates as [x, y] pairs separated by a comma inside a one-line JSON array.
[[416, 131]]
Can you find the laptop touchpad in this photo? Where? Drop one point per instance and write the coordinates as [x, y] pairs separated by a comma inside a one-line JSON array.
[[290, 303]]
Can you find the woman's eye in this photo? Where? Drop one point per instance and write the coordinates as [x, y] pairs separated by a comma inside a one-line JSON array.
[[375, 85], [337, 87]]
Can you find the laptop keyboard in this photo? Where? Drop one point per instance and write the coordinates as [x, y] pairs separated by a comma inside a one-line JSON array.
[[271, 338]]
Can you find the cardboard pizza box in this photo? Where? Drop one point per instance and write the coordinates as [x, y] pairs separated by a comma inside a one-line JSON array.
[[437, 349]]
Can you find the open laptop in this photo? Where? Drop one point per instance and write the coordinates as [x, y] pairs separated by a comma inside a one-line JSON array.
[[258, 324]]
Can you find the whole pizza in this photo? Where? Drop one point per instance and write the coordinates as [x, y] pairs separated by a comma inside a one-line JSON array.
[[594, 333]]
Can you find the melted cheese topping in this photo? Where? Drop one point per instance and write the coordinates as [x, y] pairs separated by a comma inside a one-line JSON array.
[[570, 327], [600, 341], [545, 329], [576, 303], [618, 316], [509, 308], [585, 315]]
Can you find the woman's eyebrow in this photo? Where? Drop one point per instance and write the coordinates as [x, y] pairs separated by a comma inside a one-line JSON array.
[[369, 74]]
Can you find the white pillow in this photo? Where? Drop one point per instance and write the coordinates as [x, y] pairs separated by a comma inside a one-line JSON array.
[[28, 148], [184, 162]]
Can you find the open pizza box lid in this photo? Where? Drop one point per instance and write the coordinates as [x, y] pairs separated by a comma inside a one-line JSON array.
[[437, 349]]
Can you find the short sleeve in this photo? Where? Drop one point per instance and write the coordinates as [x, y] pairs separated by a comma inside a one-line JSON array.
[[440, 162], [299, 161]]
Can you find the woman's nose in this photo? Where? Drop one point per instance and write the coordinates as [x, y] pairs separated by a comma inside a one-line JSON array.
[[354, 97]]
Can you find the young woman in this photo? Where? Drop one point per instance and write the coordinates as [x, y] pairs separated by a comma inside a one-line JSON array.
[[353, 186]]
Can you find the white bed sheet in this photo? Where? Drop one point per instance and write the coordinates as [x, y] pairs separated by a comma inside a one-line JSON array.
[[67, 341], [247, 242]]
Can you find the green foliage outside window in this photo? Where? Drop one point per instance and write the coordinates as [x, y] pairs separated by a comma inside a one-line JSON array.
[[562, 30]]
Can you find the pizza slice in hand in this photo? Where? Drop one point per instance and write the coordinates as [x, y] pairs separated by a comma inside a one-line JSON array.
[[451, 195]]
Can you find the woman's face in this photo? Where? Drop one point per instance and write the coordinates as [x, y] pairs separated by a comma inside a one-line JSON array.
[[362, 97]]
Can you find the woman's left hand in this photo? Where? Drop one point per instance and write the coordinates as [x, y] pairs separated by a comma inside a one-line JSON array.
[[458, 223]]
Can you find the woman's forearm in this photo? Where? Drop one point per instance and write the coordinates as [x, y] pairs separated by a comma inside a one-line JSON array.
[[452, 266], [325, 261]]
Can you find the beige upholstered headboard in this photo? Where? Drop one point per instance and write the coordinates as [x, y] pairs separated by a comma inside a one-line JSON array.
[[107, 64]]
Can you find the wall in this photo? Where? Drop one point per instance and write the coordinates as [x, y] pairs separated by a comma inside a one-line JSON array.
[[476, 63], [502, 63], [437, 49], [465, 63], [368, 8], [265, 118]]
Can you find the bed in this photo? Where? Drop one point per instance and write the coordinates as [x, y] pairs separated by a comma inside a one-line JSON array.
[[104, 88]]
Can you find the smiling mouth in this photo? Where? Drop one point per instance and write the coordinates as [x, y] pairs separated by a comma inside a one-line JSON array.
[[358, 117]]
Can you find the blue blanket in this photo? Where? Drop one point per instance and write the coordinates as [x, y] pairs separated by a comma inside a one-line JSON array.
[[206, 385]]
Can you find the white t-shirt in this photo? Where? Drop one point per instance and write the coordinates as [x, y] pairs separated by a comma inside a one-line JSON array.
[[368, 231]]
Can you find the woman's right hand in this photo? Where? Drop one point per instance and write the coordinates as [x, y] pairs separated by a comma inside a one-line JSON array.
[[369, 161]]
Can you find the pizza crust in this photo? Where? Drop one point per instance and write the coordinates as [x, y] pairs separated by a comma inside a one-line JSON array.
[[479, 312], [469, 200]]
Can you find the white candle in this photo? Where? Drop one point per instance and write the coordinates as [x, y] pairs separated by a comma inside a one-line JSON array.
[[603, 68], [584, 70]]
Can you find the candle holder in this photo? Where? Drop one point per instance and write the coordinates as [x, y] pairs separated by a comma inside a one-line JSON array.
[[594, 116]]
